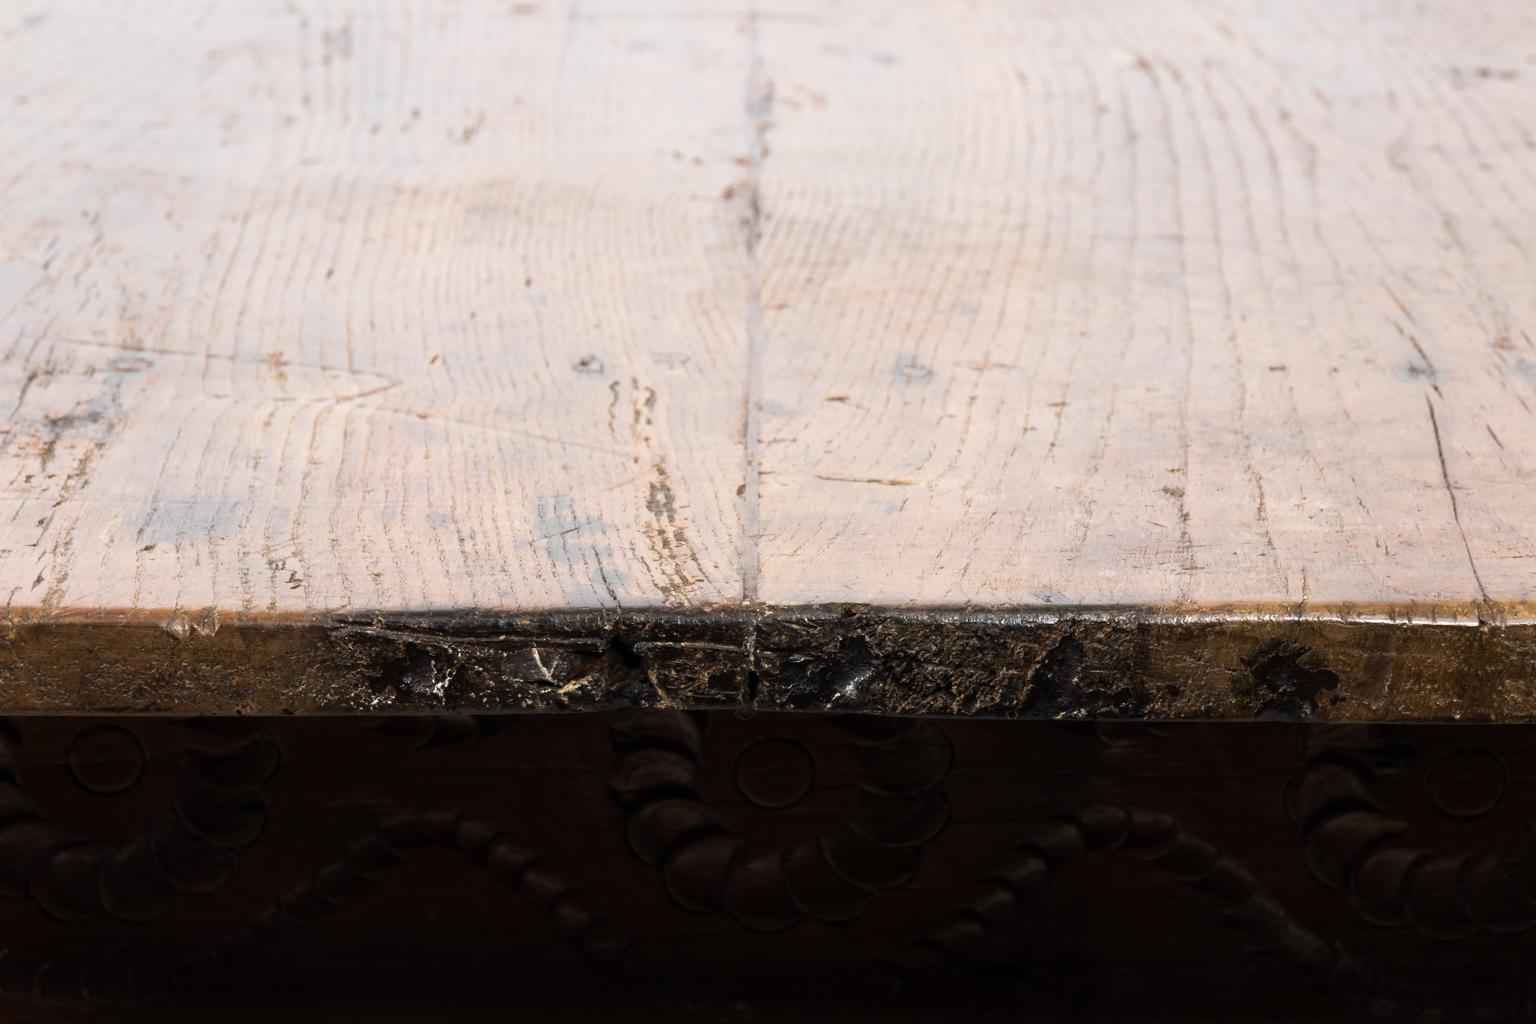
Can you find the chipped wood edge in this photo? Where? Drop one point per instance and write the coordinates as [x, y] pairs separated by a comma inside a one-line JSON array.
[[1026, 663]]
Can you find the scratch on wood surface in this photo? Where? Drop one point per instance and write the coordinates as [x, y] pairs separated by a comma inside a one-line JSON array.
[[882, 481], [759, 113], [668, 539], [1450, 491]]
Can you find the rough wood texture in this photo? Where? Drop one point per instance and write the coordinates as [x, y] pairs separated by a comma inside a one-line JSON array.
[[555, 354]]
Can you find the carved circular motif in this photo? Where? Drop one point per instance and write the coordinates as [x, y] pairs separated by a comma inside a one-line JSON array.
[[1467, 782], [775, 773], [106, 759], [898, 803], [1351, 839]]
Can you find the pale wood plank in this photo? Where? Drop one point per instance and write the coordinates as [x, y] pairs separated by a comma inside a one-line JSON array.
[[1161, 304], [390, 306]]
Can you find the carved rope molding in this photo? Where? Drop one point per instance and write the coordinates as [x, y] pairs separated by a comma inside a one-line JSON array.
[[215, 813], [659, 779], [1053, 846], [330, 889]]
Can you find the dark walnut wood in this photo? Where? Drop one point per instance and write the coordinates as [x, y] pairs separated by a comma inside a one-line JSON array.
[[1057, 360], [664, 865]]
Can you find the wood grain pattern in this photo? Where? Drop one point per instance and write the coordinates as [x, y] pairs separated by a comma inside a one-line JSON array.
[[699, 311], [389, 307], [1165, 304]]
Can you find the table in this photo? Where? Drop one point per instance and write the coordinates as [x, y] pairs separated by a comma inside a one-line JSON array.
[[1091, 361], [879, 358]]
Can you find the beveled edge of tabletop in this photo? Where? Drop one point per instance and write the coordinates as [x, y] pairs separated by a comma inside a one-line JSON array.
[[1449, 662]]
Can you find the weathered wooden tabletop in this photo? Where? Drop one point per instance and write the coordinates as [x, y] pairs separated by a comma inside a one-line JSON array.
[[1174, 358]]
